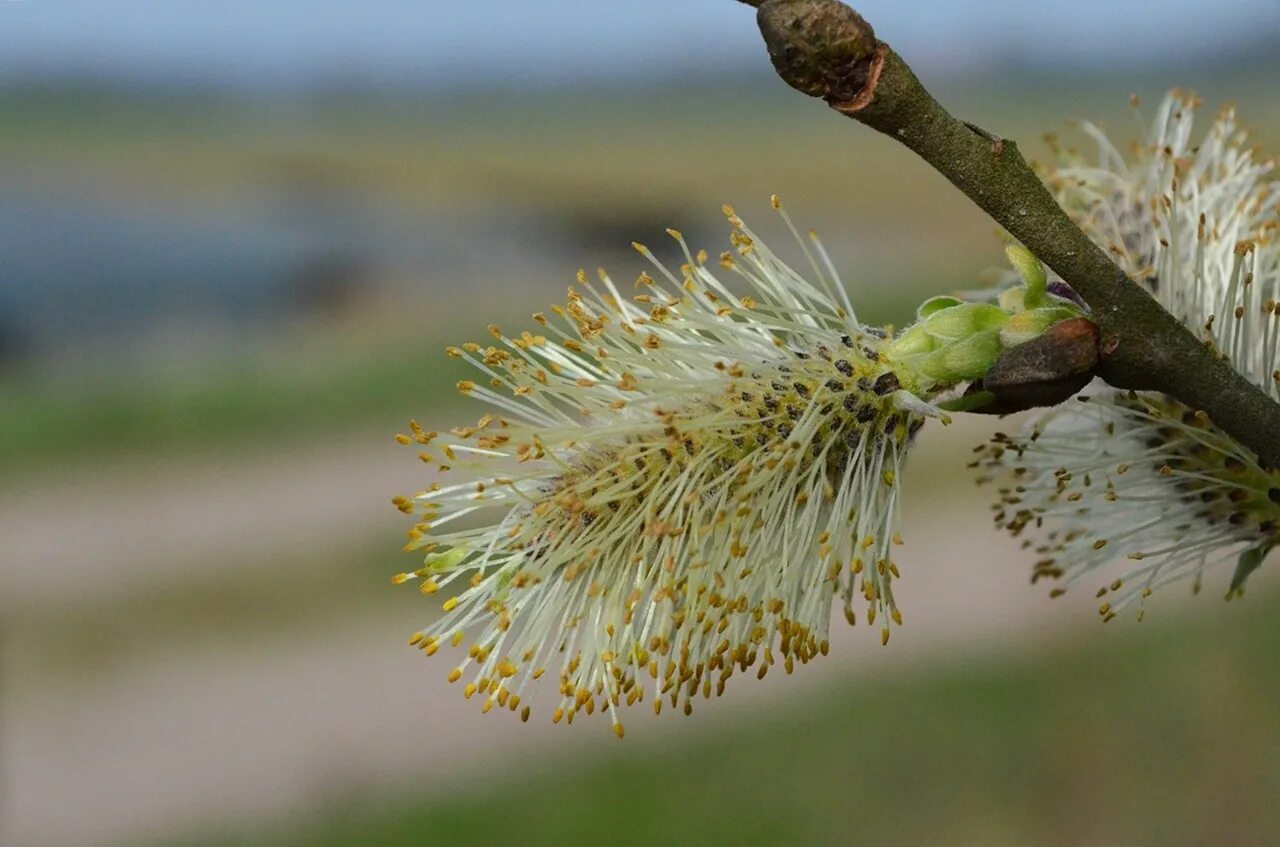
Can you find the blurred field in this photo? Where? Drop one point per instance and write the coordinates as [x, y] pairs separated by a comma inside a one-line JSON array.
[[1165, 736], [312, 389], [217, 307]]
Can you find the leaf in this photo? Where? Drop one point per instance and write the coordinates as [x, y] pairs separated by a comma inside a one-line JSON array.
[[1031, 271], [914, 341], [970, 401], [1250, 560], [961, 360], [960, 322], [935, 304]]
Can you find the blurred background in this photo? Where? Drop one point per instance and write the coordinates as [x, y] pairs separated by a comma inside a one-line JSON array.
[[234, 240]]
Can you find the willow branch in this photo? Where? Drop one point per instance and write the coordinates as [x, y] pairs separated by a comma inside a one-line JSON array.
[[826, 50]]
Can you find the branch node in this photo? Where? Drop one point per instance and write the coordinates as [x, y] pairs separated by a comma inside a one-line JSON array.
[[868, 92], [819, 47]]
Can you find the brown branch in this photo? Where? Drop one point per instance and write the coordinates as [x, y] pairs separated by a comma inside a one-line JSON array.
[[825, 49]]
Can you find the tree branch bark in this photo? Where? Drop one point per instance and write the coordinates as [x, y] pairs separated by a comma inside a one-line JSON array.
[[825, 49]]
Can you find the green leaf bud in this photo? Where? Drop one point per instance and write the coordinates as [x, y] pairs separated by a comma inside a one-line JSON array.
[[959, 322]]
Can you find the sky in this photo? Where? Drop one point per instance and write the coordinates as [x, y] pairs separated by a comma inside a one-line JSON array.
[[439, 42]]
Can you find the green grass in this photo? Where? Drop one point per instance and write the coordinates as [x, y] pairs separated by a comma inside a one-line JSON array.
[[1165, 733], [302, 395]]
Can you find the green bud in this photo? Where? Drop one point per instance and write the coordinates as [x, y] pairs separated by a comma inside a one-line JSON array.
[[954, 341], [959, 322], [962, 360]]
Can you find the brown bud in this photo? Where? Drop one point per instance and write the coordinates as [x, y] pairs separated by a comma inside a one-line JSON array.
[[1044, 371], [820, 47]]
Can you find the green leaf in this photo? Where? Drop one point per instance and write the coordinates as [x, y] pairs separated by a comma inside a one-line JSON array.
[[936, 304], [968, 402], [1031, 271], [967, 359], [914, 341], [960, 322], [1250, 560]]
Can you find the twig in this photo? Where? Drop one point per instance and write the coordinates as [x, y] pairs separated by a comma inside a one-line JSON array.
[[825, 49]]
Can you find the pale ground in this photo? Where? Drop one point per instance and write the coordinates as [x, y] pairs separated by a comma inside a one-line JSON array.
[[273, 723], [102, 532]]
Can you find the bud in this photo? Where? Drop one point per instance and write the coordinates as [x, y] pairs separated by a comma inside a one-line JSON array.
[[961, 321], [962, 360], [820, 47], [1044, 371]]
